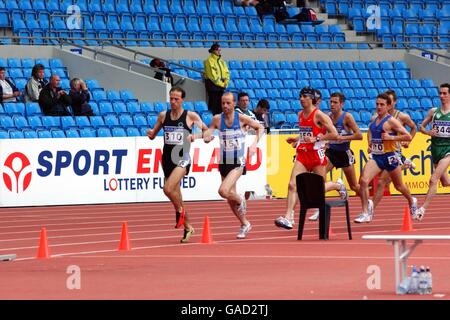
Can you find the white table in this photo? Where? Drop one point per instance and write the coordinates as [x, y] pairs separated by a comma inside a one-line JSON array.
[[402, 252]]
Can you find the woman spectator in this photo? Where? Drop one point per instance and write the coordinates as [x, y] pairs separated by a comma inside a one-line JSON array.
[[35, 84]]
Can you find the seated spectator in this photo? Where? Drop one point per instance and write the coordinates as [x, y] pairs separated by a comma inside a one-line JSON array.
[[242, 107], [80, 98], [166, 76], [8, 91], [35, 83], [246, 3], [275, 7], [53, 100], [262, 114]]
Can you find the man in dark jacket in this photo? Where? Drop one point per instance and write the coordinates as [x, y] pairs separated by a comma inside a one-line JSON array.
[[53, 100]]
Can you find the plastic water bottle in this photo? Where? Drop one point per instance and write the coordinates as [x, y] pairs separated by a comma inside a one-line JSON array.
[[414, 284], [403, 287], [423, 281], [429, 281], [268, 192]]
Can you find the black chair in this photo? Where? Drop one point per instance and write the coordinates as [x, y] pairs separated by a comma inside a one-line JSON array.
[[311, 192]]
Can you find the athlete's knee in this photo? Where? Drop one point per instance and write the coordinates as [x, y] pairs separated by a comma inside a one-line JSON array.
[[224, 192], [399, 185], [434, 180], [292, 186], [168, 189], [364, 182], [354, 187]]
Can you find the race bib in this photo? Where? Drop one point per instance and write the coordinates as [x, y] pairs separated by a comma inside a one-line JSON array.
[[393, 160], [377, 146], [442, 128], [173, 135], [232, 141], [304, 132]]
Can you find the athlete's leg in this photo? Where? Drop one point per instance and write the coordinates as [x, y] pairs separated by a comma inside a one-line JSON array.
[[440, 173], [227, 190], [397, 181], [350, 174], [292, 198], [383, 181], [371, 169]]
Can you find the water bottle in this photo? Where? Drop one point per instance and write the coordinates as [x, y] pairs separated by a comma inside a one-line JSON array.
[[414, 284], [429, 281], [423, 281], [268, 192], [403, 287]]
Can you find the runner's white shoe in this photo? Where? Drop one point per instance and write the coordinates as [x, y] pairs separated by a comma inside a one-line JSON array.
[[419, 214], [282, 222], [342, 189], [363, 217], [314, 216], [243, 231]]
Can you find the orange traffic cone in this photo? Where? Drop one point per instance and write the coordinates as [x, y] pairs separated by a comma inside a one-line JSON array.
[[407, 221], [43, 252], [206, 234], [125, 244]]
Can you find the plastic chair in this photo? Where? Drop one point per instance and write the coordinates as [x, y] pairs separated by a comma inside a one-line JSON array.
[[311, 192]]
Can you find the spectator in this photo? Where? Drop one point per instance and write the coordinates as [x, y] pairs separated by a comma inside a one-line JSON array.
[[53, 100], [166, 76], [274, 7], [262, 114], [8, 91], [246, 3], [35, 83], [80, 98], [217, 78], [243, 102]]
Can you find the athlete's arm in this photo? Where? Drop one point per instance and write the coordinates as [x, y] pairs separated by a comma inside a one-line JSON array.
[[243, 119], [395, 125], [208, 135], [197, 122], [152, 133], [406, 119], [325, 120], [426, 121], [350, 122]]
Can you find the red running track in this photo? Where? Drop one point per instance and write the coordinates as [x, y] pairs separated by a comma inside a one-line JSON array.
[[269, 264]]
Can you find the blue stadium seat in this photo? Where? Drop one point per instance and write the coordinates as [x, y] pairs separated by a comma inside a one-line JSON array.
[[30, 134], [68, 122], [44, 134], [118, 132], [133, 132], [140, 120], [72, 133], [16, 134], [88, 133], [111, 121], [58, 133], [104, 132], [82, 122]]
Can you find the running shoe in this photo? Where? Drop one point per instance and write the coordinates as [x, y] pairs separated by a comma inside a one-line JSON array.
[[342, 189], [413, 208], [243, 231], [282, 222], [187, 235], [180, 218], [364, 217], [418, 215], [314, 216]]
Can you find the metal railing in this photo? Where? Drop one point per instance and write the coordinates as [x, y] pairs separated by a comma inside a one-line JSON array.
[[243, 43]]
